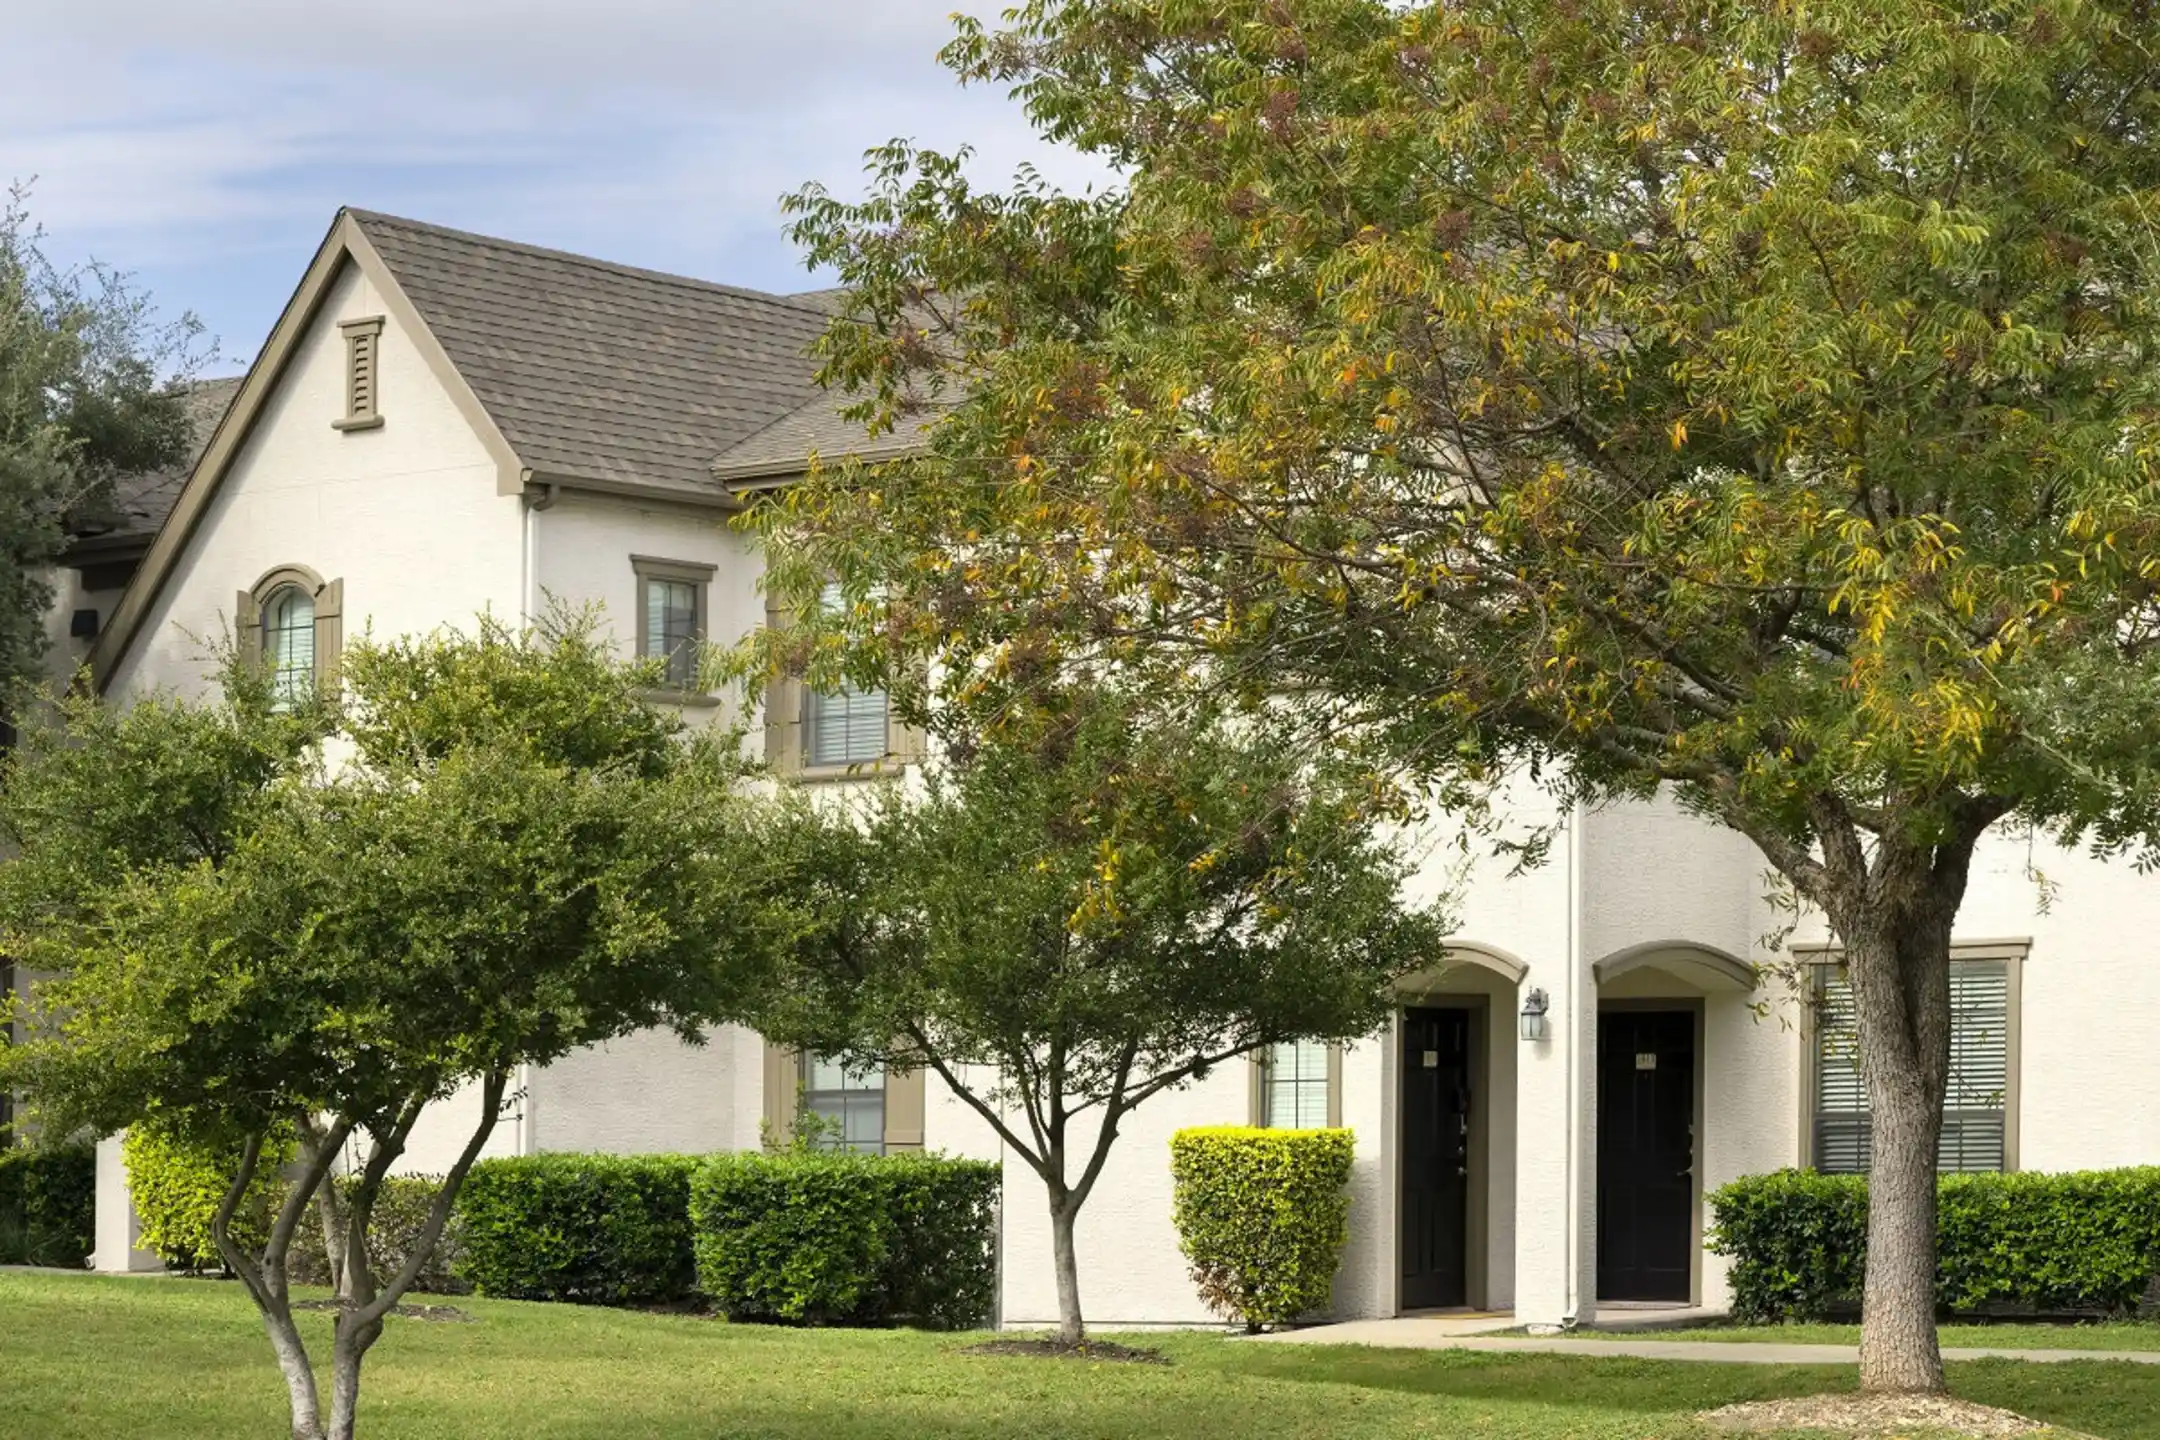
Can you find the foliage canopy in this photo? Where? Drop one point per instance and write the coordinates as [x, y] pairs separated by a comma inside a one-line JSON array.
[[1755, 400]]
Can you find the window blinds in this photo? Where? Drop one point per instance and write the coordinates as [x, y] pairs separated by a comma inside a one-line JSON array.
[[845, 726], [1296, 1080], [1975, 1105], [671, 627]]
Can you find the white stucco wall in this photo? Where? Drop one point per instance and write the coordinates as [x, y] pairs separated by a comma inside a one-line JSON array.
[[647, 1092], [406, 515], [582, 549], [1130, 1269]]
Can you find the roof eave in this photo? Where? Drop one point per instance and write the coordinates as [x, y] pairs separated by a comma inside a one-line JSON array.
[[750, 476]]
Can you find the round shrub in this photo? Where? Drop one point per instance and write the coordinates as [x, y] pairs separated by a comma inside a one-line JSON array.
[[1262, 1216], [178, 1186]]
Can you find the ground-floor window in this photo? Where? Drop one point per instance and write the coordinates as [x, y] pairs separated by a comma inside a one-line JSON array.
[[1976, 1107], [1296, 1086], [851, 1103]]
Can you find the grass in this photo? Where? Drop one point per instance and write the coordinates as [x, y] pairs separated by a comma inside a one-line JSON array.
[[2113, 1335], [177, 1360]]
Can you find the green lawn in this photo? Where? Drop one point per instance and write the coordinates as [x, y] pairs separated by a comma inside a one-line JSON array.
[[149, 1359], [2121, 1335]]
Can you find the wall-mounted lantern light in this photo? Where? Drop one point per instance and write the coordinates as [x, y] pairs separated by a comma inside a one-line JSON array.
[[1534, 1006]]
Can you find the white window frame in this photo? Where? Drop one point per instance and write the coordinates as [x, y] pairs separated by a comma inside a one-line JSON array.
[[1263, 1087]]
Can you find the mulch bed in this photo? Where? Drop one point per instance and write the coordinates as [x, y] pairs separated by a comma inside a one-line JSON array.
[[1875, 1415], [448, 1313], [1059, 1350]]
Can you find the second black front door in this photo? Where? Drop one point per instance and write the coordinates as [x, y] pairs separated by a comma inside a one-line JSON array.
[[1435, 1158], [1646, 1154]]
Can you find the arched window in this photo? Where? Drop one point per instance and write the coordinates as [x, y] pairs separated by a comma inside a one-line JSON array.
[[288, 643], [290, 623]]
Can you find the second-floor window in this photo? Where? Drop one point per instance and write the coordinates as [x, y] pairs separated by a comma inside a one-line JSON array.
[[288, 644], [845, 726], [671, 617]]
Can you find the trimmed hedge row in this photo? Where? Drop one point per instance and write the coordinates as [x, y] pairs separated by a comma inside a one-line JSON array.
[[806, 1237], [2088, 1241], [836, 1238], [1262, 1216], [48, 1204], [595, 1229], [401, 1210]]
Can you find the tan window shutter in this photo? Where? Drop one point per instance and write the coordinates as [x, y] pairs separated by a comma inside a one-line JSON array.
[[783, 707], [904, 1104], [782, 1083], [329, 628], [247, 627]]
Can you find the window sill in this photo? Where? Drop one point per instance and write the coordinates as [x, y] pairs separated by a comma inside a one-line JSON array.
[[883, 769], [687, 699], [368, 422]]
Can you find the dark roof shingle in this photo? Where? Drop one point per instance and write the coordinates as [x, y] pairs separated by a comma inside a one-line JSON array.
[[815, 427], [139, 502], [603, 372]]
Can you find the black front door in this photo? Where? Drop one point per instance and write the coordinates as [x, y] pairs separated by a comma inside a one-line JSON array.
[[1435, 1157], [1646, 1154]]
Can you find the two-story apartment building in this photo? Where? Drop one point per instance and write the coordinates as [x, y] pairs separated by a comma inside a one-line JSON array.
[[443, 424]]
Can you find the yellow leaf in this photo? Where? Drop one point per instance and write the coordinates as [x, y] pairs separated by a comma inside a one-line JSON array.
[[1679, 433]]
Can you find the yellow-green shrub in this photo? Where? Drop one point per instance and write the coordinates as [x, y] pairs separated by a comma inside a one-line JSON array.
[[177, 1188], [1262, 1215]]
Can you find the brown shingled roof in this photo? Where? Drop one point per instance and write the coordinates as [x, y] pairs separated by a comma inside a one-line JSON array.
[[816, 427], [604, 372], [140, 502]]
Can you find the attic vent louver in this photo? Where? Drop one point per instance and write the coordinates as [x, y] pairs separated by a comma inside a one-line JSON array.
[[363, 347]]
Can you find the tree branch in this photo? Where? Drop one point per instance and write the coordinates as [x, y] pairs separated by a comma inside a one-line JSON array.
[[491, 1095]]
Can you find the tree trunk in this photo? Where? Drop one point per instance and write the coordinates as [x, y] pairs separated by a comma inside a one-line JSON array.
[[1897, 953], [346, 1352], [1064, 1210], [299, 1376]]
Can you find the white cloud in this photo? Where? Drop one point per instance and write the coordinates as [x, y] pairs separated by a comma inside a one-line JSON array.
[[205, 145]]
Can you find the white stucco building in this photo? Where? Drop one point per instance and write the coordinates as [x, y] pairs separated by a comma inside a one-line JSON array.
[[443, 424]]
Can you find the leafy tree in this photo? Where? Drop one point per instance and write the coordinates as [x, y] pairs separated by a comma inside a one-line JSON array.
[[86, 393], [1752, 400], [1088, 911], [511, 858]]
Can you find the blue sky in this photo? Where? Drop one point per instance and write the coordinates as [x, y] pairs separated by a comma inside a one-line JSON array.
[[204, 145]]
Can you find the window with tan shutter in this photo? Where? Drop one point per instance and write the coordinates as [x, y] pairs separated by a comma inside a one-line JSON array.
[[1975, 1107], [851, 1102], [845, 726]]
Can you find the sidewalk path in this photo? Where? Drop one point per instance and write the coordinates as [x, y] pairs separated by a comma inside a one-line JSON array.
[[1420, 1334]]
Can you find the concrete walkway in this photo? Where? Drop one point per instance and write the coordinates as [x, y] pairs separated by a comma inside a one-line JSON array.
[[1454, 1333]]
